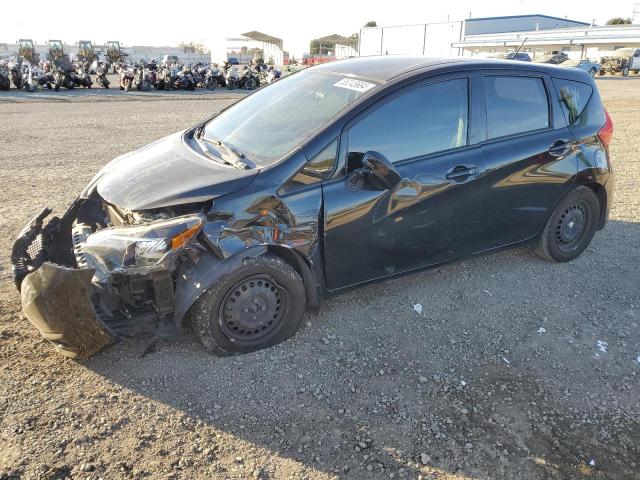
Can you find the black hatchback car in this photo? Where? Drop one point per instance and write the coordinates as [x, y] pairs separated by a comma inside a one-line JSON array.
[[334, 176]]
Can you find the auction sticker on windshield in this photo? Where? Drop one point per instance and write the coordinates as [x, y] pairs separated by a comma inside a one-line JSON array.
[[357, 85]]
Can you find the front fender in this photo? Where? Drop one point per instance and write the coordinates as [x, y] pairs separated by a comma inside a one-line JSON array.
[[195, 278]]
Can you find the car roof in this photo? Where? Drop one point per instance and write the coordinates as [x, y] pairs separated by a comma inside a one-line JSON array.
[[384, 68]]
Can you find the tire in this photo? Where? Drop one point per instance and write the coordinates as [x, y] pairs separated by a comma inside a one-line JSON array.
[[570, 227], [601, 72], [222, 321], [592, 72], [625, 71], [635, 72]]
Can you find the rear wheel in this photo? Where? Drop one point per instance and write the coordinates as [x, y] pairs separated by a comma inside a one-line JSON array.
[[571, 226], [592, 72], [601, 72], [259, 304]]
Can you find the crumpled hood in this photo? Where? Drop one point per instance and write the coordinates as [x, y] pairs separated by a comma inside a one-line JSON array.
[[166, 172]]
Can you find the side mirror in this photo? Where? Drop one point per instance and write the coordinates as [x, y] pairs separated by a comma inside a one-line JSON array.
[[381, 171]]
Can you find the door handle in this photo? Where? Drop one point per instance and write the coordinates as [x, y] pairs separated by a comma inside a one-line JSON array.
[[460, 172], [560, 148]]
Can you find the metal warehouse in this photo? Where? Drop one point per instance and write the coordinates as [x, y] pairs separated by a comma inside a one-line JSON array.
[[536, 34]]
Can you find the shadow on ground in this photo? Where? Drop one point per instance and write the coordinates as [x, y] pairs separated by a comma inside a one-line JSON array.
[[499, 376]]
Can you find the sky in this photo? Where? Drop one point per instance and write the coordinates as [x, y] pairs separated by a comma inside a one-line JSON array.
[[296, 22]]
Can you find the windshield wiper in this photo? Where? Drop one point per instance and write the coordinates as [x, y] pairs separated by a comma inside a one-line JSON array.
[[233, 157]]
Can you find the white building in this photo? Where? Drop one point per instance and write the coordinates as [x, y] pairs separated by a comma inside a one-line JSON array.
[[537, 35], [582, 42], [430, 39], [243, 48]]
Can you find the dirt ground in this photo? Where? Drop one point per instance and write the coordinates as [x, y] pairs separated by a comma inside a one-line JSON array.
[[503, 374]]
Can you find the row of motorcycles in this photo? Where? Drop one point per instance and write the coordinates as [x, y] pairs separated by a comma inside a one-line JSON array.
[[49, 74], [145, 76], [62, 73]]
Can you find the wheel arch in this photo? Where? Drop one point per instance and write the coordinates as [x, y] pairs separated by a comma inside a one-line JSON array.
[[303, 266], [601, 193], [195, 279]]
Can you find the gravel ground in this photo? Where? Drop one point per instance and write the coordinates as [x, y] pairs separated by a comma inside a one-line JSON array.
[[503, 374]]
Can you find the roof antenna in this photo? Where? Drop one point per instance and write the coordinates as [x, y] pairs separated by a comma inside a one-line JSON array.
[[518, 50]]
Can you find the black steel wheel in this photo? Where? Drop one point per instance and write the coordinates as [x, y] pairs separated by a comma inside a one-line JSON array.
[[252, 309], [258, 304], [570, 227]]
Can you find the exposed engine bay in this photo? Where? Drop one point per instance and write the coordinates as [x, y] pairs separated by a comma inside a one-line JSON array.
[[124, 262]]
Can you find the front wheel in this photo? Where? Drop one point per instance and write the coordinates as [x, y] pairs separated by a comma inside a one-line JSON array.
[[259, 304], [601, 72], [625, 71], [571, 226]]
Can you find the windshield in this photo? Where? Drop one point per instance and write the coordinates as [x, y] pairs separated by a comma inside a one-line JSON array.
[[274, 120]]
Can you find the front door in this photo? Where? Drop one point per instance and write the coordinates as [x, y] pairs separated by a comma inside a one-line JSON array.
[[431, 215]]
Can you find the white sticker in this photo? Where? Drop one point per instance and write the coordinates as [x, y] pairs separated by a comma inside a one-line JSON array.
[[356, 85]]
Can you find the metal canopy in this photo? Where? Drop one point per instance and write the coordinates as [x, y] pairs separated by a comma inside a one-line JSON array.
[[263, 37]]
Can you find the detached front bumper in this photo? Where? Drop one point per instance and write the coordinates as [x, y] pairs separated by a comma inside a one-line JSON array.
[[56, 299]]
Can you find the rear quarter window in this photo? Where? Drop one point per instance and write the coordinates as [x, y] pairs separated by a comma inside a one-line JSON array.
[[515, 105], [574, 97]]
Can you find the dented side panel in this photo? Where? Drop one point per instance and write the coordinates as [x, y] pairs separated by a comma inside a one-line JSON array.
[[247, 221]]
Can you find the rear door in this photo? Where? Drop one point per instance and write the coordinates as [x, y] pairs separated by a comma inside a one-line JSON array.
[[529, 153], [426, 131]]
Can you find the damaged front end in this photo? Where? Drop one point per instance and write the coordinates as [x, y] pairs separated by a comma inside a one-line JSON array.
[[99, 272]]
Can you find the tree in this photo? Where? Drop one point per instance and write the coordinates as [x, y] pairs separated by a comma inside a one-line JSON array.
[[314, 47], [373, 23], [619, 21]]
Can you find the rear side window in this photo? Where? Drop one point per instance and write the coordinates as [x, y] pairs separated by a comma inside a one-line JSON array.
[[515, 105], [574, 96]]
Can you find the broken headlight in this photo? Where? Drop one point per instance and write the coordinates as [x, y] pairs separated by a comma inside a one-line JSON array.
[[142, 245]]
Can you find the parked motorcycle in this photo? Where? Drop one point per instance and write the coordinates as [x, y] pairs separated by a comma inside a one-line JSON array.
[[81, 77], [28, 82], [214, 78], [164, 78], [273, 74], [232, 78], [15, 73], [64, 73], [127, 74], [44, 76], [101, 68], [5, 76], [184, 79], [249, 78]]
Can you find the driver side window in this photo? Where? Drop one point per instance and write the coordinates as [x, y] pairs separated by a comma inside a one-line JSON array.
[[425, 120]]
